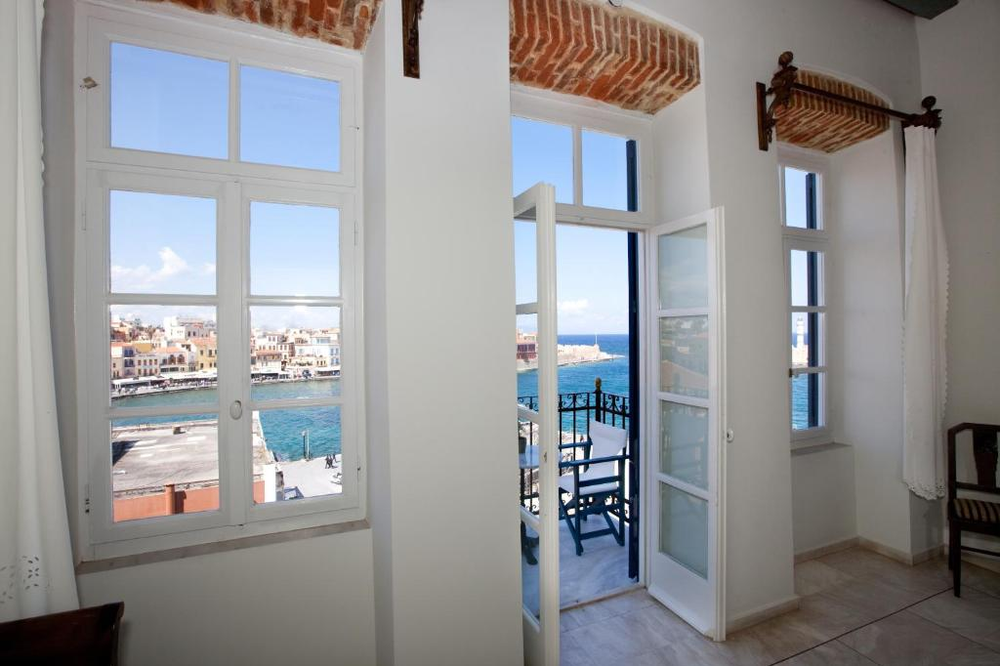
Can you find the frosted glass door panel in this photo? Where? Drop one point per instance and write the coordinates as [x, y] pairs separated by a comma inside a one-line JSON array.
[[684, 356], [684, 529], [684, 443], [682, 268]]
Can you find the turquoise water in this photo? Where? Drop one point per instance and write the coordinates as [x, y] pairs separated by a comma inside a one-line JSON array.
[[577, 378], [283, 428]]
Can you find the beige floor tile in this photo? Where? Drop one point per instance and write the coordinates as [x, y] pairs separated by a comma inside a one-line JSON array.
[[571, 653], [975, 615], [814, 576], [827, 617], [686, 652], [905, 639], [982, 579], [871, 598], [624, 636], [922, 580], [833, 653]]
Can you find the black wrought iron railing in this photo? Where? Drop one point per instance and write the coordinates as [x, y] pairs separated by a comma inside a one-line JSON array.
[[576, 410]]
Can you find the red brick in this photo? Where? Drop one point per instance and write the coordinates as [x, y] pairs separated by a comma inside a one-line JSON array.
[[821, 124], [344, 23], [617, 56]]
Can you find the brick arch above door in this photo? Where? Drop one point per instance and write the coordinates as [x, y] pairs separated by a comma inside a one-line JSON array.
[[591, 49]]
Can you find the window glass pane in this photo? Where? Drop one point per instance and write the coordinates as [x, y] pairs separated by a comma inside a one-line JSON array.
[[294, 352], [806, 272], [164, 465], [684, 529], [294, 250], [807, 400], [296, 453], [684, 443], [525, 262], [162, 243], [683, 268], [168, 102], [530, 582], [289, 119], [527, 352], [605, 170], [543, 152], [799, 199], [684, 355], [807, 343], [163, 356]]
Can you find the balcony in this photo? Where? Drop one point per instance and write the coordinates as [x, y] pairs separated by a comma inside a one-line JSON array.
[[603, 567]]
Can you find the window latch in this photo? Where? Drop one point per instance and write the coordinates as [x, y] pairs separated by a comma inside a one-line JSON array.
[[88, 83]]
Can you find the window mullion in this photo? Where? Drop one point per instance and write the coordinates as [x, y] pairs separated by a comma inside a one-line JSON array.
[[234, 455], [577, 165]]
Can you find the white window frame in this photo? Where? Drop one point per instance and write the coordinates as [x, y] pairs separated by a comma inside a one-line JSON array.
[[579, 116], [809, 240], [233, 184]]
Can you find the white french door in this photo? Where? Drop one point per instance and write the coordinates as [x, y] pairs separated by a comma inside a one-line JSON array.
[[685, 403], [539, 459]]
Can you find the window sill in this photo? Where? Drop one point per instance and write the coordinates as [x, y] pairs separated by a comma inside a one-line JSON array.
[[168, 554], [806, 446]]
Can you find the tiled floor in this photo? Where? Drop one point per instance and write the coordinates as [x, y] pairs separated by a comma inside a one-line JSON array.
[[602, 569], [857, 608]]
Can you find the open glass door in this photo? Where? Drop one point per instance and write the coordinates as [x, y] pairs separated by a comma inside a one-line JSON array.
[[685, 477], [538, 432]]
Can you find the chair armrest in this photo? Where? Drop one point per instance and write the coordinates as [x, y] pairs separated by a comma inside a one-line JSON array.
[[592, 461]]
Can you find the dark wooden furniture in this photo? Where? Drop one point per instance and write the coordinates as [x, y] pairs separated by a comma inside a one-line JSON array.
[[967, 514], [85, 637]]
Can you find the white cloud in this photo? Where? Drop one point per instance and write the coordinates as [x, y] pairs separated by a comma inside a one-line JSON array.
[[575, 307], [208, 269], [141, 277]]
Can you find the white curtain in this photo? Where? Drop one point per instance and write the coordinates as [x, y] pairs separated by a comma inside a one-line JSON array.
[[925, 379], [36, 565]]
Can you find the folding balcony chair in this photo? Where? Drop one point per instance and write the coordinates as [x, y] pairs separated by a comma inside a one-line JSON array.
[[596, 485]]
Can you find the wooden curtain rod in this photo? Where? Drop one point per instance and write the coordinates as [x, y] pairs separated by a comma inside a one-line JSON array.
[[784, 83]]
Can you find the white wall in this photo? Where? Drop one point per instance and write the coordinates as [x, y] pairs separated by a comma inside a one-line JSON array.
[[454, 593], [867, 40], [823, 500], [376, 380], [960, 65], [680, 152], [300, 602], [867, 290]]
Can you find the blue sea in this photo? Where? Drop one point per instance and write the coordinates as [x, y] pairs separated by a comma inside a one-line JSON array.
[[578, 378], [283, 428]]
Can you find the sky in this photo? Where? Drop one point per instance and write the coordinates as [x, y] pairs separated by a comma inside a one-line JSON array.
[[795, 216], [591, 263], [165, 243]]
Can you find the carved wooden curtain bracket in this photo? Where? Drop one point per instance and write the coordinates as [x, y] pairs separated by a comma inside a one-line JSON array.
[[784, 83], [411, 37]]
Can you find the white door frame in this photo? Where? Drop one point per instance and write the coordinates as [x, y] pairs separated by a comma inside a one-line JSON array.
[[541, 635], [716, 403]]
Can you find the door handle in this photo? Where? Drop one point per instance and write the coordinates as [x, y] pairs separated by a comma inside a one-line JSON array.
[[236, 410]]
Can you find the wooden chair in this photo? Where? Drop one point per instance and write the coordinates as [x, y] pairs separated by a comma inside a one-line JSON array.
[[595, 480], [966, 514], [88, 636]]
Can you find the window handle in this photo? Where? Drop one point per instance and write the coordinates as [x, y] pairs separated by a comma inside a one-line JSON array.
[[236, 410]]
